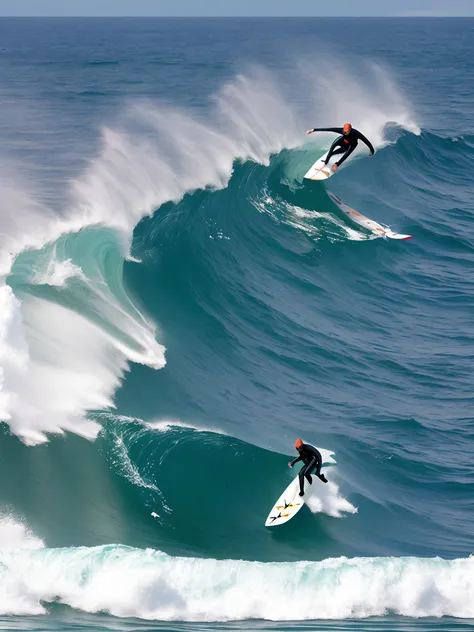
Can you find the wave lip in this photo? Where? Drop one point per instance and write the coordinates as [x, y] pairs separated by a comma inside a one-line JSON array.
[[148, 584]]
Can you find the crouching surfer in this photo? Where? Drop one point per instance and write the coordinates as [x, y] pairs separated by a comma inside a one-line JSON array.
[[312, 460]]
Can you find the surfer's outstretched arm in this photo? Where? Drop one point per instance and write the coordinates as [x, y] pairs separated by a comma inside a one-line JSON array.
[[319, 465], [336, 130], [298, 458], [367, 142]]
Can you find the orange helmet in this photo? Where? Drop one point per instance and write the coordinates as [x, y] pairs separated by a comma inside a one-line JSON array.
[[298, 443], [347, 128]]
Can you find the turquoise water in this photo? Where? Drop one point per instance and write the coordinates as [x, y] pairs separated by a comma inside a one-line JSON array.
[[178, 306]]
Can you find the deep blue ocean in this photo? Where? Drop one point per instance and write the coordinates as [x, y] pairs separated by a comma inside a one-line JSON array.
[[178, 305]]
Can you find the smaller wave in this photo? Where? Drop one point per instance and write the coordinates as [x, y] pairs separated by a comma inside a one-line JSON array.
[[158, 457], [173, 424], [148, 584]]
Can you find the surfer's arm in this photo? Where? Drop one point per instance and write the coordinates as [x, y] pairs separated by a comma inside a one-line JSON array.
[[367, 142], [298, 458], [336, 130]]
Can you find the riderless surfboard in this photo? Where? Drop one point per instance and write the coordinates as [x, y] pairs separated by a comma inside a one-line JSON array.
[[374, 227]]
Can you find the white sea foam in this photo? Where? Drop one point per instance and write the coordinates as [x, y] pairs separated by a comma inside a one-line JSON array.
[[327, 498], [148, 584], [14, 534]]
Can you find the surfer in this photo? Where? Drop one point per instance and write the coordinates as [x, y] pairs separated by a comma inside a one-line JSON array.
[[312, 460], [345, 144]]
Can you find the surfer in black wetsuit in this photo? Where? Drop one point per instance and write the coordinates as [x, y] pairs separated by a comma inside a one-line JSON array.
[[345, 144], [312, 460]]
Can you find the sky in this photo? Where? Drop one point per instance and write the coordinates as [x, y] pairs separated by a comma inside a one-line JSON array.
[[236, 8]]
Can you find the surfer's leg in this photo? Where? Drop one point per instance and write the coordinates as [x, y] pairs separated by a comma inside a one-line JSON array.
[[309, 469], [301, 476], [346, 155], [305, 473], [336, 148], [317, 465], [317, 472], [321, 476]]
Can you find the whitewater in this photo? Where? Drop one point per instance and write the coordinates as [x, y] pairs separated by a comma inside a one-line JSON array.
[[128, 582]]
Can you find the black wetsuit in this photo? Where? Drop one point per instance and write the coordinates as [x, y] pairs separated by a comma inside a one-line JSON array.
[[344, 144], [312, 460]]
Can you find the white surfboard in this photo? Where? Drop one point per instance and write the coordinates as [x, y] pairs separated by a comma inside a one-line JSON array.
[[320, 171], [286, 506], [290, 502], [374, 227]]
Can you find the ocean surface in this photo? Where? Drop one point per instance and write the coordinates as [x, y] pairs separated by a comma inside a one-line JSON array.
[[177, 306]]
